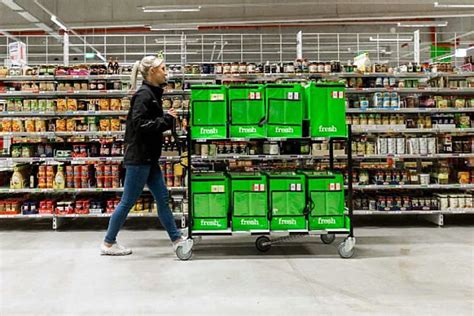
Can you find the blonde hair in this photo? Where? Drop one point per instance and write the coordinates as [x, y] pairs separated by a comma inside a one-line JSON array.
[[143, 66]]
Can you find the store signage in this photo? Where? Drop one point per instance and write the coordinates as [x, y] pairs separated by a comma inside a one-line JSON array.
[[17, 54]]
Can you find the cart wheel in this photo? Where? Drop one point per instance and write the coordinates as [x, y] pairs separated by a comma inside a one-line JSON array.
[[182, 255], [328, 238], [344, 252], [263, 244]]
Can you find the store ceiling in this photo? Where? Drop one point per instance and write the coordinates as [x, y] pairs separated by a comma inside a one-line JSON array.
[[215, 14]]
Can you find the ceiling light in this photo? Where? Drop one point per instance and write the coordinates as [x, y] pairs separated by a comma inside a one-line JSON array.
[[44, 27], [438, 5], [173, 27], [407, 39], [99, 55], [28, 16], [12, 5], [434, 24], [163, 9], [58, 23]]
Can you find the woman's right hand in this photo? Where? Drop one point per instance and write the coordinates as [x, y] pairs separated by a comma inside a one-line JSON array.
[[173, 113]]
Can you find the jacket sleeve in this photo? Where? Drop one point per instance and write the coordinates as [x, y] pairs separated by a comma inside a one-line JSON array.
[[144, 124]]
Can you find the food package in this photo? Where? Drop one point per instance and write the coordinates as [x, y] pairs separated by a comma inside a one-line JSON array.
[[72, 105], [61, 125], [115, 124], [115, 105], [126, 104], [61, 105], [105, 125], [30, 125], [6, 125], [70, 125], [17, 125], [104, 105], [40, 126]]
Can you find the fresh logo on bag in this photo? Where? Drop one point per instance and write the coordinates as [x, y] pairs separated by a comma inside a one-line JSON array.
[[210, 131], [282, 221], [247, 130], [249, 222], [284, 130], [214, 223], [331, 129], [326, 221]]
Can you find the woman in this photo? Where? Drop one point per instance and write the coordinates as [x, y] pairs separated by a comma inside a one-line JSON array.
[[146, 123]]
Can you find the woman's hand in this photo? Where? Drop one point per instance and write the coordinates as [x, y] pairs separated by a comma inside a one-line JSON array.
[[173, 113]]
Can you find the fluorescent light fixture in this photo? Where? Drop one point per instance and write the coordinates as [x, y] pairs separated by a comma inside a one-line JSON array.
[[428, 24], [28, 16], [460, 52], [164, 9], [401, 39], [58, 23], [44, 27], [12, 5], [439, 5], [173, 27]]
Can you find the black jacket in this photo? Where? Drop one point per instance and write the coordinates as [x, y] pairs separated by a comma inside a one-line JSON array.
[[145, 126]]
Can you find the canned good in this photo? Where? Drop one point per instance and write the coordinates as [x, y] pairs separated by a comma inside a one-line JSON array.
[[400, 145], [382, 145]]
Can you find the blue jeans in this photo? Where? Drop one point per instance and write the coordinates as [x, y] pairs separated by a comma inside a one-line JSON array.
[[136, 176]]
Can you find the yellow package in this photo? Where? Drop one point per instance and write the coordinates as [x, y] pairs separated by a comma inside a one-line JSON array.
[[115, 125], [61, 125], [104, 105], [61, 105], [7, 125], [70, 125], [104, 125], [40, 126], [17, 126], [115, 105], [72, 105], [30, 126]]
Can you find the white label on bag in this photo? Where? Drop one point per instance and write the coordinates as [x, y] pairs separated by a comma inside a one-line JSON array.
[[262, 187], [298, 187], [341, 94], [258, 95], [296, 95], [332, 187], [252, 96], [335, 95], [217, 97], [292, 187], [290, 95], [338, 186], [214, 188], [256, 187]]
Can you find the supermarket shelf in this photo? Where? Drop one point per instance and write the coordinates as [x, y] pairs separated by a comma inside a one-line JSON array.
[[409, 110], [82, 93], [357, 129], [77, 159], [409, 156], [417, 212], [413, 186], [3, 216], [412, 90], [68, 113], [81, 190], [60, 134], [130, 215], [251, 157]]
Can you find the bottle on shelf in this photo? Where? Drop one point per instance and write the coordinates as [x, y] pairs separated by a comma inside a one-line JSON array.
[[59, 179]]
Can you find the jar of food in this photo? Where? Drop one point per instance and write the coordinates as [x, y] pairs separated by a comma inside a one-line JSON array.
[[227, 68], [234, 68], [327, 67], [243, 68], [251, 68], [313, 68], [464, 177]]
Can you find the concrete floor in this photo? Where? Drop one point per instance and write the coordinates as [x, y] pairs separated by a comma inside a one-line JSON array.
[[396, 271]]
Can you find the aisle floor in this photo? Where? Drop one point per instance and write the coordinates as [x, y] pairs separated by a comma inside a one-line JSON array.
[[396, 271]]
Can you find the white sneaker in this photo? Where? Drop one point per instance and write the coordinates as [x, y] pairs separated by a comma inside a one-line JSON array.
[[184, 233], [184, 243], [114, 250]]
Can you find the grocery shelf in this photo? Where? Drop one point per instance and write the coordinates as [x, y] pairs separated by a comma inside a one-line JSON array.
[[86, 93], [415, 212], [408, 110], [130, 215], [60, 134], [3, 216], [412, 90], [251, 157], [413, 186], [77, 159], [79, 190], [358, 129]]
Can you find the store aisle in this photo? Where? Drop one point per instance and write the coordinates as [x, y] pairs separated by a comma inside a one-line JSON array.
[[396, 271]]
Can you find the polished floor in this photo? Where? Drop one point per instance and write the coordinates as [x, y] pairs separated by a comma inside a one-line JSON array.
[[397, 270]]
